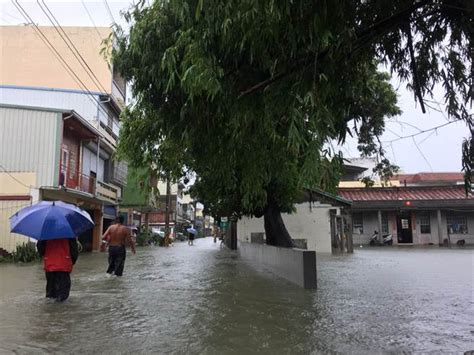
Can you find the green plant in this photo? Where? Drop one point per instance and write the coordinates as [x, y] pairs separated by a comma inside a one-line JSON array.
[[144, 236], [25, 253]]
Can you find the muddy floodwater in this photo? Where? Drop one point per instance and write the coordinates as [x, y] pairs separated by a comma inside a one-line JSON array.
[[202, 299]]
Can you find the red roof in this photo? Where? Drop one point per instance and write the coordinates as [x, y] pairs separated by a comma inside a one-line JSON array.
[[430, 177], [405, 193]]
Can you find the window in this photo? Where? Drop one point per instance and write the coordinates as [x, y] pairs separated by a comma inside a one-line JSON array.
[[457, 224], [425, 225], [357, 223], [385, 223]]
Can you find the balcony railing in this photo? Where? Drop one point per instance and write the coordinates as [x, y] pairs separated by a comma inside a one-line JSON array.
[[107, 191], [83, 182], [118, 94], [87, 183]]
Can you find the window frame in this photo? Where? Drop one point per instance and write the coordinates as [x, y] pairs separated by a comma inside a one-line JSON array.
[[359, 217], [422, 218], [458, 218]]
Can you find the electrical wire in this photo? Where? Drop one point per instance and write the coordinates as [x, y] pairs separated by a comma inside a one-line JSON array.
[[58, 56], [421, 153], [421, 132], [14, 178], [92, 20], [109, 11], [74, 49]]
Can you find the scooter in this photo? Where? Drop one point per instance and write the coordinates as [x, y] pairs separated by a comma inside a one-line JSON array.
[[387, 239]]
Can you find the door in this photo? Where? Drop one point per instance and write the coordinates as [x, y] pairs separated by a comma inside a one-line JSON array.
[[404, 231], [64, 167]]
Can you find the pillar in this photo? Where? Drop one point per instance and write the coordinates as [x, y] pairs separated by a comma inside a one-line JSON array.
[[97, 231], [379, 219], [440, 227]]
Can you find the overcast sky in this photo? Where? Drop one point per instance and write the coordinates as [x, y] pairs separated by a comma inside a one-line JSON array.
[[436, 150]]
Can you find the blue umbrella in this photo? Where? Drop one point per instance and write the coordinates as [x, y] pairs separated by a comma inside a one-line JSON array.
[[191, 230], [51, 220]]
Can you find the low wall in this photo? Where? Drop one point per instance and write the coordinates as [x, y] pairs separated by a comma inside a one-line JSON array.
[[295, 265]]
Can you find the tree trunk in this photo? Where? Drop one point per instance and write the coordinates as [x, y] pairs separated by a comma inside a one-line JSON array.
[[275, 230]]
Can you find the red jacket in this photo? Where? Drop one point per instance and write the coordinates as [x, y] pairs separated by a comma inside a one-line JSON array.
[[58, 255]]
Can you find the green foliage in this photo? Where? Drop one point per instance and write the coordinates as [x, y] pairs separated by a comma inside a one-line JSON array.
[[25, 253], [250, 95], [138, 188], [144, 236]]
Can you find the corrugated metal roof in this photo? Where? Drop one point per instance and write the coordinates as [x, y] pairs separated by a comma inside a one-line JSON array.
[[430, 177], [405, 193]]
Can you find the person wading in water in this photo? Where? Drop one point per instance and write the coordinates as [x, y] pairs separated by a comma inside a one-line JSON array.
[[118, 237]]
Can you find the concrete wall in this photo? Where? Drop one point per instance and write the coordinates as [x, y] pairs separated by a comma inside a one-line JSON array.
[[295, 265], [312, 224], [27, 61], [16, 183]]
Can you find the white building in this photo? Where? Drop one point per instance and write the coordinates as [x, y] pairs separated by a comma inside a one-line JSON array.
[[319, 223]]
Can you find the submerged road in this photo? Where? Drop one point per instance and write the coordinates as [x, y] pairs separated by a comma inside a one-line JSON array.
[[202, 299]]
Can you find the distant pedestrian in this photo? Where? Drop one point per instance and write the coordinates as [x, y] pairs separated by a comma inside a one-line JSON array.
[[216, 234], [59, 256], [190, 238], [118, 237]]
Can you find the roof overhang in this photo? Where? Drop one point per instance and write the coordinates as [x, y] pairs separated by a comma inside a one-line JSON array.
[[83, 199], [316, 194], [458, 204]]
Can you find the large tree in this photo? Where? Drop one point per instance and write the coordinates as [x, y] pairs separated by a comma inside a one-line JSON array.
[[249, 95]]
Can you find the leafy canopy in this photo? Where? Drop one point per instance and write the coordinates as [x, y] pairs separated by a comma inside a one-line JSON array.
[[250, 94]]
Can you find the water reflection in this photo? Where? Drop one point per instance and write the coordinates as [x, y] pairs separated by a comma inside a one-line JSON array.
[[202, 299]]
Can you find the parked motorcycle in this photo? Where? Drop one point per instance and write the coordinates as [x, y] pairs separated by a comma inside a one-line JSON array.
[[387, 239]]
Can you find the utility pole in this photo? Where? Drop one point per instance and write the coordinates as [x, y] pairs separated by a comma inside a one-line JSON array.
[[167, 211]]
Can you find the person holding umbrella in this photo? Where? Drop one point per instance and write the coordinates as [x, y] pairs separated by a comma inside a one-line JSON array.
[[59, 256], [191, 234], [55, 224]]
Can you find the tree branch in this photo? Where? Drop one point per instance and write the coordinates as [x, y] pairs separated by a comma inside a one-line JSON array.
[[363, 39], [414, 69]]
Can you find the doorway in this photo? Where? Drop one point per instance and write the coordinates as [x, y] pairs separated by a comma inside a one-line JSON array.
[[404, 231], [86, 238]]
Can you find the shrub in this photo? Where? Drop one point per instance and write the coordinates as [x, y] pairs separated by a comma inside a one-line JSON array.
[[144, 236], [25, 253]]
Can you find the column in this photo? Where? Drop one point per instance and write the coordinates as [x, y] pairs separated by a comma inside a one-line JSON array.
[[440, 227], [379, 218]]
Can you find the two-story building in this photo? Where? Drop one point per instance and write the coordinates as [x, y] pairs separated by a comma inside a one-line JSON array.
[[43, 155], [32, 79]]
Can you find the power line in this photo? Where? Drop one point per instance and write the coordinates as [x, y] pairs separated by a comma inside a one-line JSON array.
[[14, 178], [11, 16], [75, 52], [419, 150], [110, 12], [92, 20], [58, 56], [421, 132]]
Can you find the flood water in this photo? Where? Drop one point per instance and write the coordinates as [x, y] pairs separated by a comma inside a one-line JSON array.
[[204, 300]]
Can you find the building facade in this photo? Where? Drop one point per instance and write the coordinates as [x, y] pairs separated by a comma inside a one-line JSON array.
[[320, 223], [43, 157], [33, 84], [414, 215]]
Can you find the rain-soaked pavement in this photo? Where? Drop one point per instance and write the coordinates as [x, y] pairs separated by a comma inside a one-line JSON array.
[[205, 300]]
